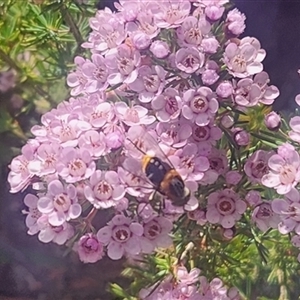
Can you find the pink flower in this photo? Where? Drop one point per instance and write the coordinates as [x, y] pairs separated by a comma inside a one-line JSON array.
[[189, 163], [264, 217], [235, 22], [56, 234], [185, 277], [104, 189], [60, 203], [182, 286], [108, 32], [191, 31], [244, 59], [77, 80], [256, 165], [213, 289], [167, 106], [94, 142], [189, 60], [134, 179], [135, 142], [135, 115], [146, 211], [174, 134], [122, 236], [218, 161], [123, 63], [144, 21], [96, 73], [247, 93], [160, 49], [23, 168], [289, 211], [206, 134], [129, 9], [89, 248], [294, 134], [200, 105], [171, 14], [100, 114], [33, 214], [19, 177], [48, 154], [218, 165], [149, 83], [66, 130], [155, 235], [268, 93], [75, 164], [284, 171], [225, 208], [198, 215]]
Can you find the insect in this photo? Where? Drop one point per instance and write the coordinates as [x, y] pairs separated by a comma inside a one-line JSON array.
[[159, 171]]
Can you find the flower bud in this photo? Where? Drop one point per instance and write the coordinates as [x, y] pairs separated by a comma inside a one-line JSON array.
[[235, 22], [224, 89], [272, 121], [214, 13], [141, 40], [253, 198], [160, 49], [233, 177], [210, 45], [241, 137], [227, 121], [209, 77], [114, 140]]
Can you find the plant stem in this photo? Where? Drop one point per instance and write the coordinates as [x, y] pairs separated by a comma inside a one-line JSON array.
[[73, 27], [9, 61]]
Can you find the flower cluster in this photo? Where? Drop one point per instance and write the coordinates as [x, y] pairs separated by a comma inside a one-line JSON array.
[[189, 285], [167, 102]]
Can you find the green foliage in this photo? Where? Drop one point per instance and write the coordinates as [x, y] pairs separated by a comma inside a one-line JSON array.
[[38, 42]]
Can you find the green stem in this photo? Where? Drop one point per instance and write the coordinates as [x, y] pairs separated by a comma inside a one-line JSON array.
[[44, 94], [71, 23], [9, 61]]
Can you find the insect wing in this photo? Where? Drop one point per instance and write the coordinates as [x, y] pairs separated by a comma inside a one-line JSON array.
[[154, 149], [134, 168]]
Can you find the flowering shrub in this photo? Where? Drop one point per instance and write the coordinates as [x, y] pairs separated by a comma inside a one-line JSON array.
[[177, 71]]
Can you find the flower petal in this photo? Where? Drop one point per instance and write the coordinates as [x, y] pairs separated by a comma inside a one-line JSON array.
[[115, 250]]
